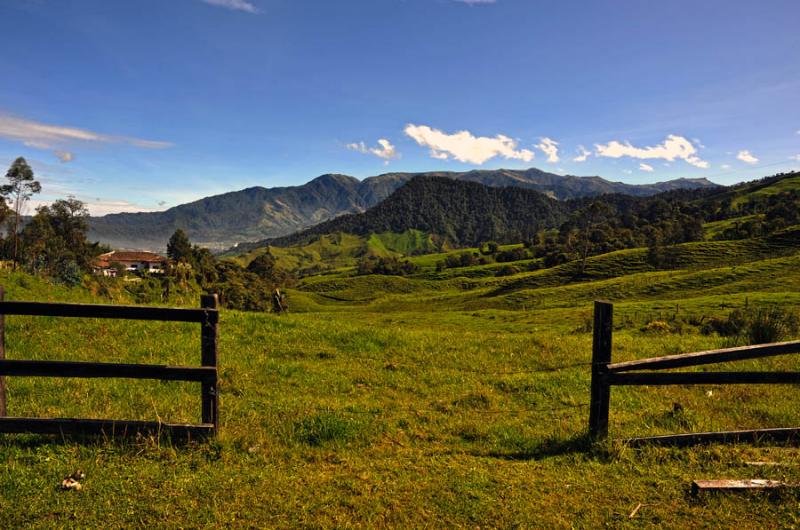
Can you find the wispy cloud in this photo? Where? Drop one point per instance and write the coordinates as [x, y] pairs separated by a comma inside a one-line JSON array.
[[583, 154], [646, 167], [386, 150], [235, 5], [54, 137], [725, 166], [746, 156], [550, 148], [476, 2], [97, 206], [466, 147], [795, 157], [64, 156], [674, 147]]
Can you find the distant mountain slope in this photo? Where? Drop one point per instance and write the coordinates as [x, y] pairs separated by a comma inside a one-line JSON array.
[[460, 212], [257, 213], [222, 220]]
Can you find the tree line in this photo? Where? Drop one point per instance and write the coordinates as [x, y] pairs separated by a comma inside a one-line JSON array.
[[54, 242]]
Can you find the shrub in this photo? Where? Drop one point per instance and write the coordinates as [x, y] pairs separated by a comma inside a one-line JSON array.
[[506, 270], [772, 325], [515, 254], [69, 273], [658, 326], [755, 326]]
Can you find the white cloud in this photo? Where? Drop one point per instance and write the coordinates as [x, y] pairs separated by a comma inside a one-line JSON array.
[[235, 5], [386, 150], [100, 206], [627, 171], [746, 156], [795, 157], [465, 147], [645, 167], [725, 166], [550, 148], [45, 136], [583, 154], [674, 147], [64, 156], [476, 2]]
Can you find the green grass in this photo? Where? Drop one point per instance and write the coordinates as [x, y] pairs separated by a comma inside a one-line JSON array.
[[413, 402]]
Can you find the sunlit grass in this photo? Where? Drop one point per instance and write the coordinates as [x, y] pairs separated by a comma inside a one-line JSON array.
[[436, 405]]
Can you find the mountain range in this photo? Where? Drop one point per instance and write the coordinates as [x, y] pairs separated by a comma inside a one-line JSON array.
[[259, 213]]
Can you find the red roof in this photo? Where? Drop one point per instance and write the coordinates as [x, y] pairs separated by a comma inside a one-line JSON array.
[[104, 260]]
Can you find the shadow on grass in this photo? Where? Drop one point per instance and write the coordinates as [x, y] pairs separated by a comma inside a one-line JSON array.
[[550, 447], [123, 443]]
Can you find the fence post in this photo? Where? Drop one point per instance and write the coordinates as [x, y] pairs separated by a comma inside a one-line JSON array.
[[601, 358], [3, 411], [209, 343]]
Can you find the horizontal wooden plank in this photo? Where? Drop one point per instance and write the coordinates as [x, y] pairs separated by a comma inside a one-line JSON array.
[[746, 436], [90, 369], [708, 357], [87, 427], [108, 311], [704, 378], [700, 486]]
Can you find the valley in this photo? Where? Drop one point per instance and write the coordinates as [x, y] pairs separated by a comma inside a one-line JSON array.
[[448, 396]]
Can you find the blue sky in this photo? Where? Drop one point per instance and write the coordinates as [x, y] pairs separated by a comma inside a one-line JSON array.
[[145, 104]]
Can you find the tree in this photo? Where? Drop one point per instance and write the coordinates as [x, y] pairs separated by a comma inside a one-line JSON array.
[[582, 232], [57, 234], [179, 248], [265, 266], [21, 186]]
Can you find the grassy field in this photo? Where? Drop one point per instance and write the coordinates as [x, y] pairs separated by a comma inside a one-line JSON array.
[[399, 402]]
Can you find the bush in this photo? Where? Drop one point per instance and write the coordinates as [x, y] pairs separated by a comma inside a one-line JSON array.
[[757, 326], [658, 326], [386, 266], [69, 273], [772, 325], [515, 254], [506, 270]]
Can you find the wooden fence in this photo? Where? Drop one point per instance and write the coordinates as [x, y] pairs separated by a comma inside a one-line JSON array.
[[606, 374], [206, 374]]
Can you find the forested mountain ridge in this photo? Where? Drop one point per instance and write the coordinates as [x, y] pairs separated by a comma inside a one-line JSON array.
[[258, 213], [457, 214], [460, 212]]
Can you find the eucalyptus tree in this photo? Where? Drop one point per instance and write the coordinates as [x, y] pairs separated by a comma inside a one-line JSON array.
[[20, 188]]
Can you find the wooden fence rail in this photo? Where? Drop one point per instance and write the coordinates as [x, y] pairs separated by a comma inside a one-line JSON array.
[[606, 374], [206, 374]]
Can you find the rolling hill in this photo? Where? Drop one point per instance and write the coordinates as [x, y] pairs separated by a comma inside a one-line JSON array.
[[257, 213]]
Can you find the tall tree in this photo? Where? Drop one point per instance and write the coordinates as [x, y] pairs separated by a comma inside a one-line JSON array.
[[179, 248], [21, 186]]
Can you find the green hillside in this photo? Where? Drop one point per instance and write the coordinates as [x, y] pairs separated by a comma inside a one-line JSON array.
[[413, 401], [443, 397]]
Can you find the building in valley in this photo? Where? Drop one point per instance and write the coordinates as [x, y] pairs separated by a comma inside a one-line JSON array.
[[105, 264]]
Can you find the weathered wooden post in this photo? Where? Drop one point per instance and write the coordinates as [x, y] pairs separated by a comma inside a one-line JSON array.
[[209, 343], [3, 411], [601, 358]]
